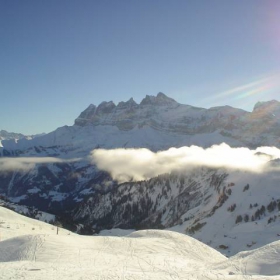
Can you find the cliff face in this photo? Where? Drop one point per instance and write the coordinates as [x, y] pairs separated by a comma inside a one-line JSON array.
[[158, 122], [162, 113]]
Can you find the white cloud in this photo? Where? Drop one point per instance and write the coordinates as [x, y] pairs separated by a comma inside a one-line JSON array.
[[27, 163], [140, 164]]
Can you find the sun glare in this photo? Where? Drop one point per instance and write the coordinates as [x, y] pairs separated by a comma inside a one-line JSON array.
[[260, 88]]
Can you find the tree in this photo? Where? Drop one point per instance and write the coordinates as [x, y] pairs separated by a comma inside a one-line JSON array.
[[246, 188], [238, 219]]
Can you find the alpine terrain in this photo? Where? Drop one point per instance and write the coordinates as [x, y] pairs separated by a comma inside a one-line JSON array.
[[231, 209], [38, 251]]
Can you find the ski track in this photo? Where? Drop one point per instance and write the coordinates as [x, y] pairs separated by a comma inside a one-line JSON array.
[[145, 255]]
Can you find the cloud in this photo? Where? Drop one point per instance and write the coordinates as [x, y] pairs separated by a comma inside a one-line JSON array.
[[27, 163], [142, 164]]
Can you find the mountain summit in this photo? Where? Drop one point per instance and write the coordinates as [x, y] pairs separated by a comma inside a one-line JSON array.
[[160, 99], [159, 112], [159, 122], [109, 113]]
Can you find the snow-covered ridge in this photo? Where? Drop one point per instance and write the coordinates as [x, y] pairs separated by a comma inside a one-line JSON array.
[[230, 211], [96, 201], [149, 254], [157, 123], [13, 225], [5, 135], [160, 112]]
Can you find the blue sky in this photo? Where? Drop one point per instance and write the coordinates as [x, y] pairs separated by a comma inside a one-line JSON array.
[[57, 57]]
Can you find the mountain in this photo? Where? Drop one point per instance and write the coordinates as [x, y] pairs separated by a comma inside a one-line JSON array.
[[215, 206], [158, 123], [5, 135], [54, 172], [14, 137], [35, 250]]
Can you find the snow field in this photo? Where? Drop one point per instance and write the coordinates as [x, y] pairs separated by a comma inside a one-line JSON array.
[[13, 225], [146, 254]]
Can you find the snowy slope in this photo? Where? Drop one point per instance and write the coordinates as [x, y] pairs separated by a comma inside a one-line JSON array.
[[14, 137], [150, 254], [223, 232], [5, 135], [78, 189], [204, 203], [158, 122], [13, 224], [30, 212], [264, 261], [78, 141]]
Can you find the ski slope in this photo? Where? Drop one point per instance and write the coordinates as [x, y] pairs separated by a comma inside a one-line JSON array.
[[147, 254], [13, 224]]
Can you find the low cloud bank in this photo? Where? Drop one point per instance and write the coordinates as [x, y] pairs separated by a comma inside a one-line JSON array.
[[142, 164], [27, 163]]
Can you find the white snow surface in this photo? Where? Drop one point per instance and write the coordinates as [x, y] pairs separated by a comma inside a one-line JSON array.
[[13, 224], [79, 141], [147, 254]]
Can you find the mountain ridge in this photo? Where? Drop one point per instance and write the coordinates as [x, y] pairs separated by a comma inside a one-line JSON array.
[[57, 175], [164, 118]]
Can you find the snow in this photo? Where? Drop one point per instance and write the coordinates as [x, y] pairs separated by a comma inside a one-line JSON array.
[[156, 125], [14, 225], [115, 232], [147, 254], [79, 141], [222, 229], [34, 190], [17, 198], [57, 196], [264, 260]]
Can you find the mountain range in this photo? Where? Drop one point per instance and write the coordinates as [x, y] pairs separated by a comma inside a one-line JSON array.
[[157, 123], [53, 172]]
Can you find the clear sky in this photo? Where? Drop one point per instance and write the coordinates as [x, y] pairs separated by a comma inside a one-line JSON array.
[[58, 56]]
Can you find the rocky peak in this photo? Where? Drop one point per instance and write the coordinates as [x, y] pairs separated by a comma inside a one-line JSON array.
[[148, 100], [128, 104], [105, 107], [89, 110], [163, 99], [160, 99], [86, 115], [10, 135], [266, 105], [271, 108]]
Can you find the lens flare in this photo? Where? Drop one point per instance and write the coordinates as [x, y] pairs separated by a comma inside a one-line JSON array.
[[263, 87]]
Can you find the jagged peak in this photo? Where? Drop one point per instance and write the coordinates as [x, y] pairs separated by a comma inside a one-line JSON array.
[[227, 108], [149, 99], [90, 108], [128, 104], [88, 111], [160, 99], [266, 105], [106, 104], [86, 114], [161, 95], [105, 107]]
